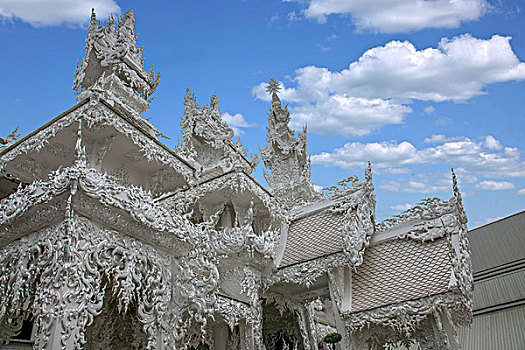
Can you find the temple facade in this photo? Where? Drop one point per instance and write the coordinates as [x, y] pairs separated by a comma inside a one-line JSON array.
[[111, 240]]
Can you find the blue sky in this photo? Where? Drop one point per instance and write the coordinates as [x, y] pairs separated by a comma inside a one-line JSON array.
[[413, 86]]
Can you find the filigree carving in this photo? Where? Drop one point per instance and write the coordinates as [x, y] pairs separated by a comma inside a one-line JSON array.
[[358, 207], [308, 272], [62, 279], [232, 311], [235, 182], [286, 156], [404, 318], [111, 52], [99, 262], [206, 138], [99, 114]]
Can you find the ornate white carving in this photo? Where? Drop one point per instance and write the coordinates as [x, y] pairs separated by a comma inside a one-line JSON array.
[[95, 259], [358, 207], [232, 311], [308, 272], [206, 138], [114, 64], [58, 273], [286, 156], [235, 182], [99, 114], [404, 318]]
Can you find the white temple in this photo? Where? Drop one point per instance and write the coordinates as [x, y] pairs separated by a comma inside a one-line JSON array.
[[111, 240]]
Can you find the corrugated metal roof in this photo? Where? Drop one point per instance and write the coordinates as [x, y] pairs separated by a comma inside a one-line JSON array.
[[399, 270], [498, 243], [313, 236], [499, 290], [498, 250], [503, 330]]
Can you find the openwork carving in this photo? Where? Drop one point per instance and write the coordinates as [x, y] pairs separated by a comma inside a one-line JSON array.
[[62, 278], [286, 156], [308, 272], [404, 318], [111, 52], [206, 138], [358, 207]]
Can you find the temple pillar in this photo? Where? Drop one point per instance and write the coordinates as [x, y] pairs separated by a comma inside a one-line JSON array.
[[221, 335], [340, 286]]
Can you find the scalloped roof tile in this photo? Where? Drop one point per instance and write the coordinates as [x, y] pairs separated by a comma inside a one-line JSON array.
[[313, 236], [400, 270]]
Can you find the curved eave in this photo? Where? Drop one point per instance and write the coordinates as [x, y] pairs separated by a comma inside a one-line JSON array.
[[9, 153]]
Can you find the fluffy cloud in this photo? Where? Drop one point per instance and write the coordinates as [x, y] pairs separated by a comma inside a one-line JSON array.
[[429, 110], [401, 207], [521, 192], [347, 115], [399, 16], [55, 12], [473, 156], [236, 122], [492, 143], [495, 186], [374, 85]]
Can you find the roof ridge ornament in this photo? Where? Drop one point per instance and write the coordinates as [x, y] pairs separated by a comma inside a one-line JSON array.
[[113, 66], [207, 138], [286, 156]]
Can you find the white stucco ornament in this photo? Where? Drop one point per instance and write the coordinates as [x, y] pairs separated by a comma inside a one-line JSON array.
[[110, 240]]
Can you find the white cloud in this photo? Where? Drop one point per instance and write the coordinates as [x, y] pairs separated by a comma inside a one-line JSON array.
[[401, 207], [492, 143], [457, 70], [521, 192], [236, 122], [471, 155], [495, 186], [40, 13], [429, 110], [399, 16], [347, 115]]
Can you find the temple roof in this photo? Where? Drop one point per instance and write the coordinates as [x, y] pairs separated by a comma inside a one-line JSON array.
[[400, 270], [313, 236]]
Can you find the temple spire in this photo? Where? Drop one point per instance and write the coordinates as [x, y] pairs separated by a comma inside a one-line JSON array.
[[113, 66], [285, 155]]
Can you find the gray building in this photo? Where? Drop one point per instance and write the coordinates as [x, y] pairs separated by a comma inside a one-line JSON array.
[[498, 261]]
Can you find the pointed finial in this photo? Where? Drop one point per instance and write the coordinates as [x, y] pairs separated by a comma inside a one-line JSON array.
[[368, 172], [92, 21], [273, 87], [454, 180], [214, 102], [457, 195]]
